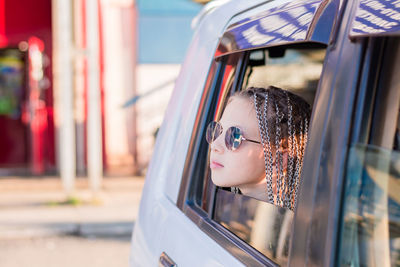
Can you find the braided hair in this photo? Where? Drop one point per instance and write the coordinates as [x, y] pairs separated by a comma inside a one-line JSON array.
[[283, 120]]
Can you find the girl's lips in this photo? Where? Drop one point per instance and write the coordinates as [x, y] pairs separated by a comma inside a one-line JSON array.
[[215, 165]]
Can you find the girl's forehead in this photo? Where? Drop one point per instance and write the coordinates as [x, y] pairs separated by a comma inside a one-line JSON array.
[[239, 112], [239, 105]]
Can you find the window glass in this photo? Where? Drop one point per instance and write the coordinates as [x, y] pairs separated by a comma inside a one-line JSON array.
[[261, 224], [370, 234], [296, 70], [371, 230], [264, 226]]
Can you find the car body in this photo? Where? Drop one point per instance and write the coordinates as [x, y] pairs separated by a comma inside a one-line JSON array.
[[347, 214]]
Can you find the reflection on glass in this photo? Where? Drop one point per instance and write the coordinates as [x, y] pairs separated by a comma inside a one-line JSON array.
[[287, 23], [264, 226], [370, 234], [375, 17]]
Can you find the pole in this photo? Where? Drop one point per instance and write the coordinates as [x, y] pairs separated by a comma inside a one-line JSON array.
[[94, 129], [63, 91]]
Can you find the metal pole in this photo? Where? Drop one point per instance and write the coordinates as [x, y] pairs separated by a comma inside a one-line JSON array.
[[79, 85], [94, 130], [63, 91]]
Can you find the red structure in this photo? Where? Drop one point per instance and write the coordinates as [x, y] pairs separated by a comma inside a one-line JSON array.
[[27, 125], [26, 97]]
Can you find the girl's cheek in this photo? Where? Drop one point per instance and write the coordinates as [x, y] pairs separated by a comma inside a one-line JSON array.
[[261, 154], [258, 153]]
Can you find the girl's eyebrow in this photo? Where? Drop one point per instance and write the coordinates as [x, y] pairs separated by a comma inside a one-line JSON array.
[[244, 132]]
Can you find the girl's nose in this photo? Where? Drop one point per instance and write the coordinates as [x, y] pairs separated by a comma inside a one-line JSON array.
[[218, 145]]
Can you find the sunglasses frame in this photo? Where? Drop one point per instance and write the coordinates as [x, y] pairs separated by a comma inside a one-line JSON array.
[[231, 147]]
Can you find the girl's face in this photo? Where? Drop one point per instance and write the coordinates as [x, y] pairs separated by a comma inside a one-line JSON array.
[[244, 167]]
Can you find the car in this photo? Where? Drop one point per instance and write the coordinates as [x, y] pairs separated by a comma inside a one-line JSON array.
[[343, 58]]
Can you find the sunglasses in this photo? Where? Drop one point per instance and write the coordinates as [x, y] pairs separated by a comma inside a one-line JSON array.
[[233, 136]]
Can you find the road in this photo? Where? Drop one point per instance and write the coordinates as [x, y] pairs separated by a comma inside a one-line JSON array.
[[63, 251], [37, 229]]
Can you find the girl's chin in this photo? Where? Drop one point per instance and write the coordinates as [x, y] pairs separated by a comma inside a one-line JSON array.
[[219, 181]]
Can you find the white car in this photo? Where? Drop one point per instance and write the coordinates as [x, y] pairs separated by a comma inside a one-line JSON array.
[[343, 58]]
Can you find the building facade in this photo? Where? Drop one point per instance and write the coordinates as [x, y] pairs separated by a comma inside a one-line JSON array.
[[140, 46]]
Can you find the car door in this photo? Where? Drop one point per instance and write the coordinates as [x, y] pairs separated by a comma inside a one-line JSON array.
[[285, 46], [332, 217]]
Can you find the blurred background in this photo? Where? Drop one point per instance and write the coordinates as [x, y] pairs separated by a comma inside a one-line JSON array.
[[84, 85]]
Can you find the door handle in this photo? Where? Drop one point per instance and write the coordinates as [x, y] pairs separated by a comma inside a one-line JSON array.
[[166, 261]]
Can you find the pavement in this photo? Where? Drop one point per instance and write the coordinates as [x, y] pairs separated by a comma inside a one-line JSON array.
[[38, 207]]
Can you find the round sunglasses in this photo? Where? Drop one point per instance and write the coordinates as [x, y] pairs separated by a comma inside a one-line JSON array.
[[233, 136]]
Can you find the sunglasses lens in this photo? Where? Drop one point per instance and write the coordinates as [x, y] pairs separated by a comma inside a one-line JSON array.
[[214, 130], [233, 138]]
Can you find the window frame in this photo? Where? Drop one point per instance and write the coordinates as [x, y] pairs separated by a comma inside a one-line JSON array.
[[187, 193]]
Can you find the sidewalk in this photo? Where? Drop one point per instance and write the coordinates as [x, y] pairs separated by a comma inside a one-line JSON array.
[[35, 207]]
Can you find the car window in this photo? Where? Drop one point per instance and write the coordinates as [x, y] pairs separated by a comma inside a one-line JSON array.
[[262, 226], [370, 231]]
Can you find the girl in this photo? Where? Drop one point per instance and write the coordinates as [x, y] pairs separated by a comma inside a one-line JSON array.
[[260, 123]]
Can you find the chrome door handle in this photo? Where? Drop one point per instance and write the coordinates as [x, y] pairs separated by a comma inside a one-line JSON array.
[[166, 261]]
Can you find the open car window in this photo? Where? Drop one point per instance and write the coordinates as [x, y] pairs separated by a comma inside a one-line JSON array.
[[262, 226]]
